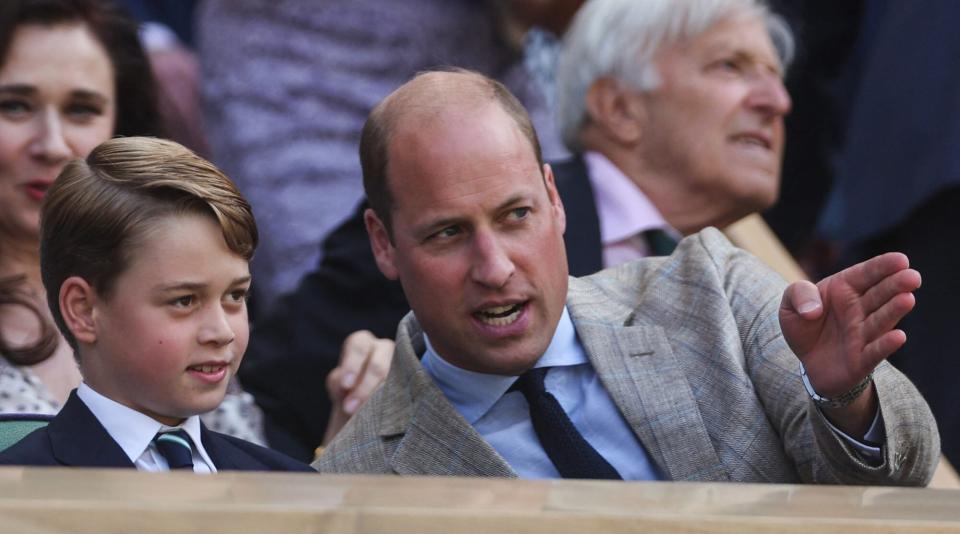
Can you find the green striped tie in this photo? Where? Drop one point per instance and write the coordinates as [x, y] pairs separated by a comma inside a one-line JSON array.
[[176, 447]]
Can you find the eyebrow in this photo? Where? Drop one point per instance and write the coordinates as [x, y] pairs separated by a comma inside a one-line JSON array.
[[196, 286], [727, 46], [21, 89], [427, 228]]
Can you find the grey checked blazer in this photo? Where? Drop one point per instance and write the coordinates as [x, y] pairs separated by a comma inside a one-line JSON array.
[[690, 349]]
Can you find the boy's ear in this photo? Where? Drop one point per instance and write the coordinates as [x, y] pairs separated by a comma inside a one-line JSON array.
[[382, 245], [77, 299]]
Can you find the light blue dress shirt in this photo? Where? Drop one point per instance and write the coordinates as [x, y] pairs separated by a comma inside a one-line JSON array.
[[503, 419]]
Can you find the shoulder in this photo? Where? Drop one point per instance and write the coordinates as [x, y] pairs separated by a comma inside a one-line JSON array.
[[230, 453], [34, 449]]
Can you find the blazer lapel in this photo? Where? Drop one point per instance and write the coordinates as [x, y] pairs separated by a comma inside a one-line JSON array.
[[78, 439], [638, 368], [432, 438]]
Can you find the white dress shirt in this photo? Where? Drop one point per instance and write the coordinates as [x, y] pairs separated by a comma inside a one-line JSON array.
[[134, 432]]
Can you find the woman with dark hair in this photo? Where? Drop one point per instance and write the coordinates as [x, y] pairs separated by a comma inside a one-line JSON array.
[[72, 75]]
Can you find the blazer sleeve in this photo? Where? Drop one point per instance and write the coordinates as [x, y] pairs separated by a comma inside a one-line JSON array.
[[912, 447]]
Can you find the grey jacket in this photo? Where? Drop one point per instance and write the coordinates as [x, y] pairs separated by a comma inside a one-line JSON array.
[[690, 349]]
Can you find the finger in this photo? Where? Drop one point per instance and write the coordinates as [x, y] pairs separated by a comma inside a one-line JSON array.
[[867, 274], [374, 373], [887, 316], [903, 281], [881, 348], [353, 356], [334, 390], [802, 298]]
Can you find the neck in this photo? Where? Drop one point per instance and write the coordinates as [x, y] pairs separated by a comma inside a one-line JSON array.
[[685, 209]]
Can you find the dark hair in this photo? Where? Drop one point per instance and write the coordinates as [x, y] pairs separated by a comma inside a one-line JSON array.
[[134, 82], [136, 112], [375, 137], [100, 208]]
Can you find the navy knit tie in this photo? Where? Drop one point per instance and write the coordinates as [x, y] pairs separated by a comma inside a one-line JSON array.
[[176, 447], [572, 455]]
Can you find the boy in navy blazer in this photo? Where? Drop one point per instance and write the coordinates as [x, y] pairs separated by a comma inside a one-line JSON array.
[[144, 254]]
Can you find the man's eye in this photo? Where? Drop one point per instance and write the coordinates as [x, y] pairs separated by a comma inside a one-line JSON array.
[[447, 232], [519, 213]]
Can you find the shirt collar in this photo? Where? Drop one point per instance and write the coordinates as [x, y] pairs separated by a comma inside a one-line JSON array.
[[473, 394], [132, 430], [623, 209]]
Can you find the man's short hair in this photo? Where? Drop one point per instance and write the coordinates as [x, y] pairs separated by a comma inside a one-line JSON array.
[[375, 137], [99, 209], [620, 39]]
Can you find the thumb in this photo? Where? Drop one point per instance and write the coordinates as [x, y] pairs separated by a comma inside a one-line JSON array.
[[802, 298]]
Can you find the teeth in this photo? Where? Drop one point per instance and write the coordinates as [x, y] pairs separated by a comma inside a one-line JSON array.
[[488, 316], [207, 369]]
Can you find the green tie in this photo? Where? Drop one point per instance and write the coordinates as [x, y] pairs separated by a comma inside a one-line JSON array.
[[660, 242]]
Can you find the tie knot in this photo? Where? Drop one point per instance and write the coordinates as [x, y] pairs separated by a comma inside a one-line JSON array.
[[660, 242], [531, 382], [177, 447]]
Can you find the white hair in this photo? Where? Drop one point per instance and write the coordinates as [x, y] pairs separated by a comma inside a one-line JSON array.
[[619, 38]]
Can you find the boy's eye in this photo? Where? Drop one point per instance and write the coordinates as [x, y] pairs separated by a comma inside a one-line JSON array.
[[239, 295], [183, 302]]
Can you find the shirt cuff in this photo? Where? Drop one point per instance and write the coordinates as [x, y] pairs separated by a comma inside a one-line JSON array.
[[869, 446]]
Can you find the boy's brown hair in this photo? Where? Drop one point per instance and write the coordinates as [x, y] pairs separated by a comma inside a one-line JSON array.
[[99, 209]]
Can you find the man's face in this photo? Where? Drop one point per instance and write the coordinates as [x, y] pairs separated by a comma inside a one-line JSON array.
[[714, 127], [478, 239]]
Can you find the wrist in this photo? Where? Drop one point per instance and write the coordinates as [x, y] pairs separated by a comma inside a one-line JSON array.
[[838, 401]]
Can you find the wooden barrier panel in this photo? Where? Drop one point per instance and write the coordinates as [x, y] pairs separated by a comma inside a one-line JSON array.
[[35, 500]]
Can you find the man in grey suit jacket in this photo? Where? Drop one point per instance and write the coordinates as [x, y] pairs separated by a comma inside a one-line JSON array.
[[688, 350]]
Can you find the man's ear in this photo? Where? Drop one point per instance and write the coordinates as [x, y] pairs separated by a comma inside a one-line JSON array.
[[615, 110], [77, 299], [383, 249], [556, 204]]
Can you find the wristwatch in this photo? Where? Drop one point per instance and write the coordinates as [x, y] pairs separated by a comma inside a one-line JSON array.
[[835, 402]]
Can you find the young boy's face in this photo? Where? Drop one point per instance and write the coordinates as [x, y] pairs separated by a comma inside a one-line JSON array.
[[174, 329]]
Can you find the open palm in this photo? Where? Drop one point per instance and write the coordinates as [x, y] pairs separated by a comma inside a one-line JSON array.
[[842, 327]]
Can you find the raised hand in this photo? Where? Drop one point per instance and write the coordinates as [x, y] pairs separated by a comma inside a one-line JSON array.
[[842, 327]]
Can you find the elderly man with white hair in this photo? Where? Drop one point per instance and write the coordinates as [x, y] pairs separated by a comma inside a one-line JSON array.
[[675, 111]]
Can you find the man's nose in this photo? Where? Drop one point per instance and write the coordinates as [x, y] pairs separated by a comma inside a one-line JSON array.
[[769, 95], [216, 329], [492, 266]]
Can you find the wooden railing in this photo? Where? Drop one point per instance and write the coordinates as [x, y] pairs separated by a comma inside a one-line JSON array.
[[54, 500]]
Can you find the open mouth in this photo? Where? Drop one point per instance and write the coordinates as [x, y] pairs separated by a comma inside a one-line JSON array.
[[37, 190], [500, 315], [209, 372], [753, 141]]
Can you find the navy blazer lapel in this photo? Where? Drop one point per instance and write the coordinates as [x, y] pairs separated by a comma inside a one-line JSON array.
[[638, 368], [582, 237], [78, 439]]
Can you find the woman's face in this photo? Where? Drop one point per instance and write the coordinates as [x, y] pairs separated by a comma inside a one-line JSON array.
[[57, 102]]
